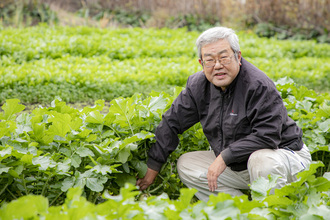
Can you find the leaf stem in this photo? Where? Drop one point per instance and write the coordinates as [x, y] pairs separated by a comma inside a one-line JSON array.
[[11, 194], [91, 158], [155, 189], [145, 149], [55, 198], [4, 188], [130, 126], [24, 184], [322, 168], [44, 187], [95, 198], [115, 130]]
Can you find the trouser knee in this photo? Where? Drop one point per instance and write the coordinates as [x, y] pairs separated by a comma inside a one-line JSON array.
[[263, 163]]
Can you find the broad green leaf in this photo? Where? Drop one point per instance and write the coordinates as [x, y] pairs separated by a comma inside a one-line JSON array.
[[95, 117], [44, 162], [157, 103], [129, 191], [140, 166], [4, 170], [185, 198], [60, 124], [277, 201], [96, 184], [327, 175], [195, 212], [26, 207], [104, 169], [84, 152], [27, 158], [10, 108], [23, 123], [261, 187], [75, 160], [123, 155], [124, 110], [91, 138], [304, 175], [99, 105], [222, 210], [317, 212], [5, 152], [63, 168], [324, 110], [80, 179], [321, 184], [310, 217], [124, 178], [109, 119], [76, 123], [261, 214], [17, 171], [73, 194], [325, 125], [84, 133], [6, 128], [67, 183], [39, 131]]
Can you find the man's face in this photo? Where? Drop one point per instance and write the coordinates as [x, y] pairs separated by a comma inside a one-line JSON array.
[[220, 75]]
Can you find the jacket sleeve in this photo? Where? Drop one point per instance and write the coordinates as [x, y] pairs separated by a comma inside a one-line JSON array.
[[181, 116], [266, 114]]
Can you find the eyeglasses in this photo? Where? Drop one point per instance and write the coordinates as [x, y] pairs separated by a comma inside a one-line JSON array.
[[223, 61]]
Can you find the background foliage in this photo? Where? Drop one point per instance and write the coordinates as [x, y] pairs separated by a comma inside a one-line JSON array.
[[308, 19]]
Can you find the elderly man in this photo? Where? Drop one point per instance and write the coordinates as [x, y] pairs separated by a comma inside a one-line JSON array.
[[243, 118]]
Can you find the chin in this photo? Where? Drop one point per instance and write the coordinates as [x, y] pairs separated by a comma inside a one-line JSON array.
[[217, 84]]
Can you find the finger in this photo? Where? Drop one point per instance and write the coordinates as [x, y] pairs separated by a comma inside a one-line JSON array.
[[212, 182], [212, 186], [143, 187]]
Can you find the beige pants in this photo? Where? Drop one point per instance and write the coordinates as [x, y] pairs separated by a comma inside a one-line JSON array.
[[193, 166]]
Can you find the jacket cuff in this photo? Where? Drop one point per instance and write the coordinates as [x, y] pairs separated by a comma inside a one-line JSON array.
[[227, 156], [154, 165]]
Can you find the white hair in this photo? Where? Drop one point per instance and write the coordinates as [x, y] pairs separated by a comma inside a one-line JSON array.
[[217, 33]]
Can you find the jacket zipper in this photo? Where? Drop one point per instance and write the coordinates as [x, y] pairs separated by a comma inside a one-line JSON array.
[[221, 118]]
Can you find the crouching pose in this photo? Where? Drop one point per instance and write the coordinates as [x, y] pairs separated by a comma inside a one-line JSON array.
[[243, 118]]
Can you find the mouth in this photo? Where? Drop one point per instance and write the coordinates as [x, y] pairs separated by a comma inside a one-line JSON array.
[[220, 75]]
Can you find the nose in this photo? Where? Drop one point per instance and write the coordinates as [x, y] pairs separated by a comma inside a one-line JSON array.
[[216, 66]]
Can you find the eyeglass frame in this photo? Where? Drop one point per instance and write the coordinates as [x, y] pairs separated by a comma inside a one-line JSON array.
[[216, 60]]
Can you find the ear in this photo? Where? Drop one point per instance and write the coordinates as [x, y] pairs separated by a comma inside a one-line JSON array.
[[200, 62], [239, 57]]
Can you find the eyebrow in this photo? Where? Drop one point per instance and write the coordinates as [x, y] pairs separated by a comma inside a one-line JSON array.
[[221, 52]]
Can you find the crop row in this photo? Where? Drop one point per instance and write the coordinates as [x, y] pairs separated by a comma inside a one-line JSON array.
[[77, 79], [52, 149], [307, 198], [100, 149], [84, 64], [46, 42]]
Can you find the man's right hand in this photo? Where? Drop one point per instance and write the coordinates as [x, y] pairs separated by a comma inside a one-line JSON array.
[[147, 180]]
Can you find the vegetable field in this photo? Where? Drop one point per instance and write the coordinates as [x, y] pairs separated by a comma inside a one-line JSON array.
[[59, 161]]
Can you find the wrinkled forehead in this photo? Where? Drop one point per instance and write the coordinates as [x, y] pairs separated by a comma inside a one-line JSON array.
[[216, 48]]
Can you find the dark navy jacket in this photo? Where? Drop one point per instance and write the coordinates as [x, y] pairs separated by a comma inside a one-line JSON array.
[[249, 115]]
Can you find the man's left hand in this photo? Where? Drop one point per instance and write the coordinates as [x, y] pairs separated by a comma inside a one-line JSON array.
[[214, 171]]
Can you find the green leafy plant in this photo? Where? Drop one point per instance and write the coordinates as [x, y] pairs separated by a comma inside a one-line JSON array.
[[307, 198]]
